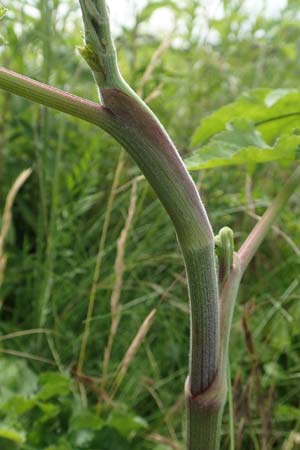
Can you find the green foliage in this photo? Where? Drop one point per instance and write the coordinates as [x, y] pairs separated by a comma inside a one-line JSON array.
[[47, 414], [258, 127]]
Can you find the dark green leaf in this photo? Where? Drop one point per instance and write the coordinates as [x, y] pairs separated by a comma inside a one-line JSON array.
[[242, 143]]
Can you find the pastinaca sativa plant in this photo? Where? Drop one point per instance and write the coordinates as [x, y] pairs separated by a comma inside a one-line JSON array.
[[213, 282]]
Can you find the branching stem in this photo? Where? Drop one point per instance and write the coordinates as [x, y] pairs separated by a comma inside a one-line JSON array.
[[261, 229]]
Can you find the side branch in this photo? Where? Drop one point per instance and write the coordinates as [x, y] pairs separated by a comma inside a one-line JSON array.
[[55, 98], [242, 259], [259, 232]]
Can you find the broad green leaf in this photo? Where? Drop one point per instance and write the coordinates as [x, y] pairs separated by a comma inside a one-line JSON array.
[[53, 385], [86, 420], [276, 95], [248, 106], [16, 379], [18, 405], [241, 143], [273, 112], [126, 423]]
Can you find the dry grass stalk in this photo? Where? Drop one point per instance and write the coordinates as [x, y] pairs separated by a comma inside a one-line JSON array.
[[28, 356], [22, 333], [164, 45], [132, 350], [98, 264], [159, 439], [6, 219], [119, 272], [138, 339], [154, 94]]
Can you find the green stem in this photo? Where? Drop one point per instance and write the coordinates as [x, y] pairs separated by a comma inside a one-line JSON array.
[[55, 98], [259, 232], [143, 136], [205, 411], [243, 257], [204, 415], [231, 412], [147, 142], [149, 145]]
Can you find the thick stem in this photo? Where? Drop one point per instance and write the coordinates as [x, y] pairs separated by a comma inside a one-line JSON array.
[[134, 125], [204, 415], [147, 142], [153, 151]]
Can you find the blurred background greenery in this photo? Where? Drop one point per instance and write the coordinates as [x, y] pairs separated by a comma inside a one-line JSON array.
[[64, 253]]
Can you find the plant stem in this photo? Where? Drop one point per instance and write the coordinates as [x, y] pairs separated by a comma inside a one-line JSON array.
[[55, 98], [143, 136], [132, 123], [204, 415], [198, 405], [259, 232], [231, 412], [147, 142]]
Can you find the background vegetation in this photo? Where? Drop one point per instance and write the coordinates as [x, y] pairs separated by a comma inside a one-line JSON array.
[[87, 230]]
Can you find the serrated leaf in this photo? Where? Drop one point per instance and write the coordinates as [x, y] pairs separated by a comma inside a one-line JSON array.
[[241, 143], [248, 106], [274, 112]]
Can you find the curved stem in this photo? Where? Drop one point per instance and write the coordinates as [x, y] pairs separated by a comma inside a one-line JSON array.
[[143, 136], [149, 145], [133, 124], [147, 142]]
